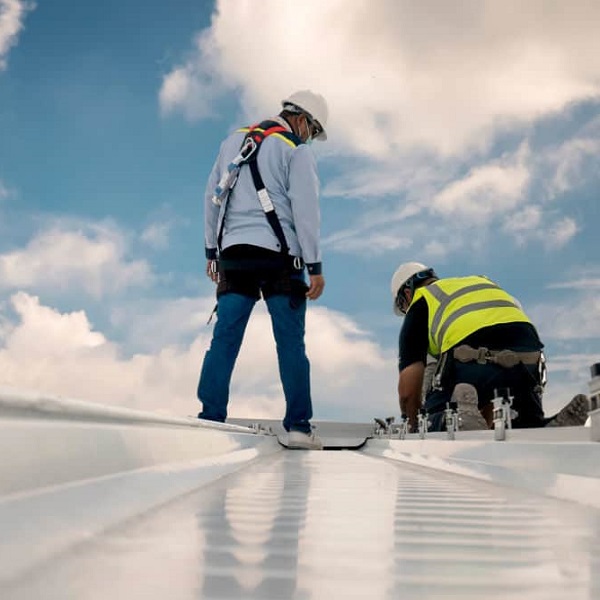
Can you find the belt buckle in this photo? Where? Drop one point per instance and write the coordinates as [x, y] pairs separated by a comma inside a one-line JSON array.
[[483, 355]]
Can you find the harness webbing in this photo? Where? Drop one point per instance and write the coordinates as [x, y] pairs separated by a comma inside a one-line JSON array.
[[248, 155]]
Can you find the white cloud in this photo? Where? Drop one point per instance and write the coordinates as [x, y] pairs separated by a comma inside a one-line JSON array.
[[417, 96], [43, 349], [448, 215], [575, 319], [194, 87], [523, 222], [12, 15], [181, 89], [560, 233], [156, 235], [568, 374], [441, 76], [485, 191], [373, 243], [552, 231], [148, 324], [66, 256], [585, 283], [570, 159], [56, 334]]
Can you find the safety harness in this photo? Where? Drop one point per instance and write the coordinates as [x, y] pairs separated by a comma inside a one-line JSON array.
[[255, 136]]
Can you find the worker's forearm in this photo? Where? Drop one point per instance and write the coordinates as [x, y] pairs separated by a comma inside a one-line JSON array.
[[409, 407]]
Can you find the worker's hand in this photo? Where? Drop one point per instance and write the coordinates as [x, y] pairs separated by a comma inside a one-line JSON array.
[[212, 270], [317, 283]]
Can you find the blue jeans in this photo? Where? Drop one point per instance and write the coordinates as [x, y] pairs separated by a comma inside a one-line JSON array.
[[287, 319]]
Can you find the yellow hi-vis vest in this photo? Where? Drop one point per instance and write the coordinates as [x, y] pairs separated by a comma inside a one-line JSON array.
[[460, 306]]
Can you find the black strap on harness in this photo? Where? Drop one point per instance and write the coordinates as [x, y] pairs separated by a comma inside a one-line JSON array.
[[258, 133], [270, 213]]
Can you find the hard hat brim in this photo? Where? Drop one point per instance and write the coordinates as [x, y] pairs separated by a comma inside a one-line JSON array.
[[323, 135]]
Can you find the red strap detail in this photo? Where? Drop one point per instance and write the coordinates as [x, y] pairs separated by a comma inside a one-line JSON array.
[[274, 129], [259, 136]]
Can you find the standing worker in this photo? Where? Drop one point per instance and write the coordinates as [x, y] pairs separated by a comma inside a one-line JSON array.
[[480, 336], [262, 229]]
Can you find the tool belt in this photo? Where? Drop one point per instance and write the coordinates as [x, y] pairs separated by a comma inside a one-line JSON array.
[[502, 358], [291, 263], [255, 285]]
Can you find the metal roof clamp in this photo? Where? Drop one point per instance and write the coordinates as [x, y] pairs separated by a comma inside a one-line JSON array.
[[423, 423], [451, 418], [260, 429], [503, 414], [389, 421], [594, 415], [381, 427], [384, 427], [403, 427]]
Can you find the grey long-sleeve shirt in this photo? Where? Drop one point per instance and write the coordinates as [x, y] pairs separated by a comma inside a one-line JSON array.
[[290, 176]]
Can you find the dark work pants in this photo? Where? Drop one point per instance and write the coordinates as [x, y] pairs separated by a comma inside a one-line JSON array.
[[522, 380]]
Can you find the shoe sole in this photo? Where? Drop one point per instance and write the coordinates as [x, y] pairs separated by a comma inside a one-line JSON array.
[[470, 419], [302, 447], [573, 414]]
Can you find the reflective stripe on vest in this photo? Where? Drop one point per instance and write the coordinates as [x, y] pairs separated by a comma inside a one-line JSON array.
[[461, 306]]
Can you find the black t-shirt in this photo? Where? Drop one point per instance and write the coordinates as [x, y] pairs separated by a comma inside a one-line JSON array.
[[414, 336]]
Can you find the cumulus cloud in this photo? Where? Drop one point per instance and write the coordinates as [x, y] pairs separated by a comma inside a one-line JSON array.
[[569, 162], [418, 93], [194, 87], [577, 319], [61, 353], [485, 191], [412, 74], [560, 233], [568, 374], [12, 15], [504, 196], [157, 235], [446, 217], [87, 257]]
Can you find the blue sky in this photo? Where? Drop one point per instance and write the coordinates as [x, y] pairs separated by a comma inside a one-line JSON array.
[[465, 136]]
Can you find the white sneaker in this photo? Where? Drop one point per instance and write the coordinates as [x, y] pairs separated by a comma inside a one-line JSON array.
[[304, 441], [465, 395]]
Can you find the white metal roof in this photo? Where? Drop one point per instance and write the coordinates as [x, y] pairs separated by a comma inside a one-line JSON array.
[[411, 518]]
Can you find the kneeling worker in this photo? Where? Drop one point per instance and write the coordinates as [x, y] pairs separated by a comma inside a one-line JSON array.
[[480, 336]]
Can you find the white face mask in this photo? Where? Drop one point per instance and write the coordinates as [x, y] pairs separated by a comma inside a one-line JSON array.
[[309, 139]]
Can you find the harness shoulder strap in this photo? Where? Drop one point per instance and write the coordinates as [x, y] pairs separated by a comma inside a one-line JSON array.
[[258, 133]]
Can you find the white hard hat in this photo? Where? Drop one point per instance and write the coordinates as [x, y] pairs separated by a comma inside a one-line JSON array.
[[312, 104], [403, 273]]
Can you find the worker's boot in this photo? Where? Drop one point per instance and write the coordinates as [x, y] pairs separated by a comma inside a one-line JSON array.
[[470, 418], [573, 414]]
